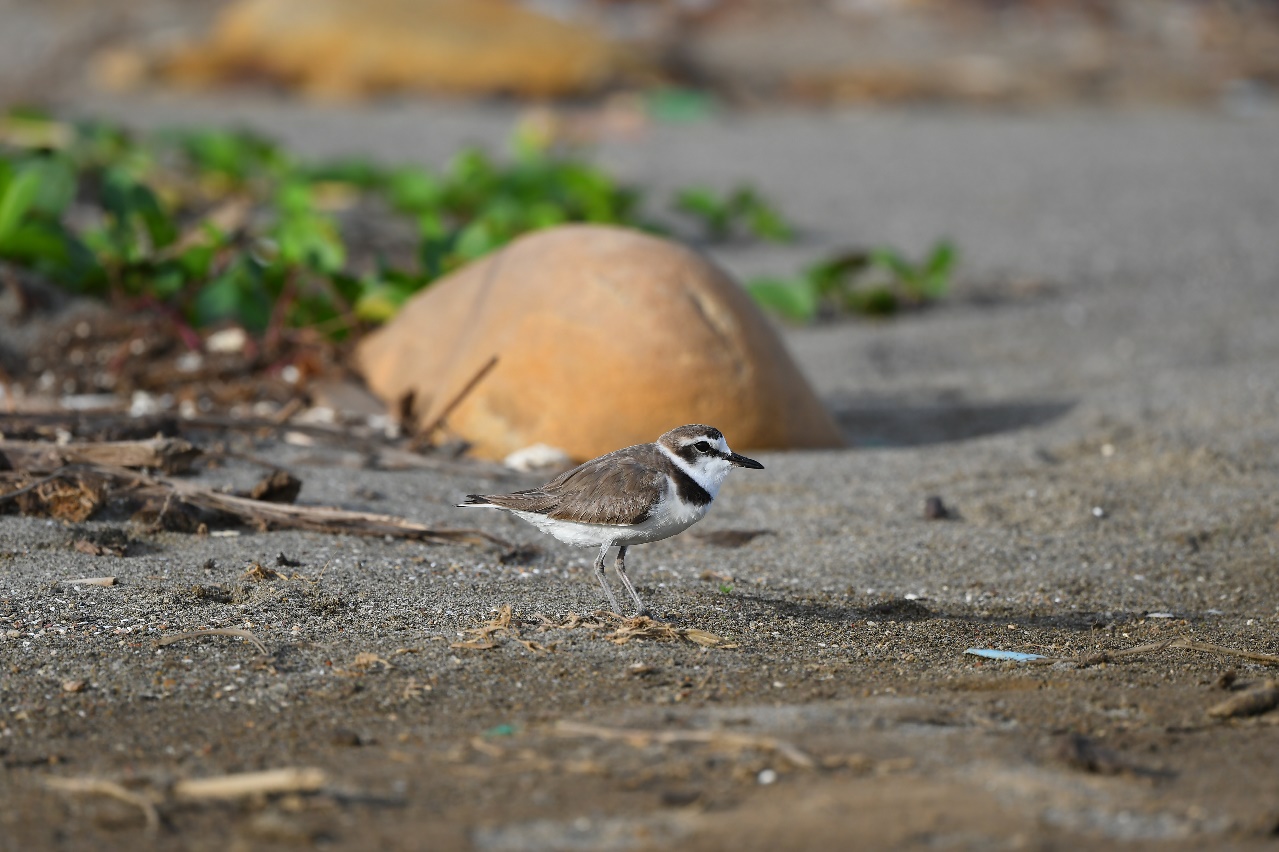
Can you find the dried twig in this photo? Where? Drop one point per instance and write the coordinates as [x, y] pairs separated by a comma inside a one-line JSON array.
[[1098, 657], [321, 518], [213, 631], [266, 514], [1265, 659], [1251, 702], [217, 788], [172, 455], [424, 435], [242, 784], [102, 787], [640, 738]]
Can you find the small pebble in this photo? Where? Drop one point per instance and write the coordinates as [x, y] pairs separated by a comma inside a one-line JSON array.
[[766, 776]]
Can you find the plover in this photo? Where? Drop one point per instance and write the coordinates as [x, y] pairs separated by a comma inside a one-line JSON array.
[[630, 496]]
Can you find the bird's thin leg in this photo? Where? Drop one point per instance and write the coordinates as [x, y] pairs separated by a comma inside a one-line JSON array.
[[620, 565], [599, 572]]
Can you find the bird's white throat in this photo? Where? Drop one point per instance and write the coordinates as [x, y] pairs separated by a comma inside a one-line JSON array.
[[709, 473]]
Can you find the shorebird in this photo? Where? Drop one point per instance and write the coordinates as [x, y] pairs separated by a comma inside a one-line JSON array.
[[630, 496]]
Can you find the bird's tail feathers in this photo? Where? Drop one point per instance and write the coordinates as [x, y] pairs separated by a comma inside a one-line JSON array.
[[474, 500]]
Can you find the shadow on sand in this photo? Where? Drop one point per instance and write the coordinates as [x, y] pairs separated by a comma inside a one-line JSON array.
[[887, 422]]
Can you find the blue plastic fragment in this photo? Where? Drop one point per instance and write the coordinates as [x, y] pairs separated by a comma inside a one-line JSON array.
[[1013, 656]]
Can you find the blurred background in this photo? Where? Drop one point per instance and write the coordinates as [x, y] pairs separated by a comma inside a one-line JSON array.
[[1023, 53], [252, 186]]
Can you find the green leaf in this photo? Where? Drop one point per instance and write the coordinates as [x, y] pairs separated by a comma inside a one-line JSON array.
[[160, 228], [414, 190], [240, 293], [891, 261], [836, 273], [218, 300], [680, 106], [704, 204], [295, 198], [762, 220], [356, 172], [381, 300], [37, 243], [938, 270], [476, 240], [237, 155], [57, 184], [794, 299], [310, 241], [873, 301], [20, 194]]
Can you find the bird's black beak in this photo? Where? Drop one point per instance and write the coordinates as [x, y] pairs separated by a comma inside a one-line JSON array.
[[742, 461]]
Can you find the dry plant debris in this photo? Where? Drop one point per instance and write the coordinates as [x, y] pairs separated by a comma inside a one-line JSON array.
[[1250, 702], [1085, 659], [244, 784], [218, 788], [74, 496], [727, 740], [103, 787], [367, 660], [94, 548], [643, 627], [259, 573], [75, 492], [170, 455], [502, 623], [91, 581], [505, 623]]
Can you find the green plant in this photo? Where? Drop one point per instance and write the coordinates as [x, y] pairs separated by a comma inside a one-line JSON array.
[[879, 282], [215, 226], [741, 211]]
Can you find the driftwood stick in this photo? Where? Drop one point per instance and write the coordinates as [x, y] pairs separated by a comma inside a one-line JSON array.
[[320, 518], [424, 435], [242, 784], [103, 787], [1252, 702], [1096, 657], [281, 515], [1256, 657], [172, 455]]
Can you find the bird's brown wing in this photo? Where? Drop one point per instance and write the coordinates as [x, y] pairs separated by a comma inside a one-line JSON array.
[[619, 489]]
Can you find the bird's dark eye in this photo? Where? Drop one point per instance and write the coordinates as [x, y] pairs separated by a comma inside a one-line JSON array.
[[702, 447]]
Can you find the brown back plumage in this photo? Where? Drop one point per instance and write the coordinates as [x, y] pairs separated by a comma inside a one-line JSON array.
[[619, 488]]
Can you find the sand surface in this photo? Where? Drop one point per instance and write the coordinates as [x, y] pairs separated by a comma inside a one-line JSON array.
[[1098, 403]]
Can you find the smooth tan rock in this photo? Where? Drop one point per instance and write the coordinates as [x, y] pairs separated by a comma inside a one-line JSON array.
[[348, 48], [606, 338]]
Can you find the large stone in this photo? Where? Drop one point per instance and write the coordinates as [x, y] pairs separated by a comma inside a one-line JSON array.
[[348, 48], [605, 337]]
